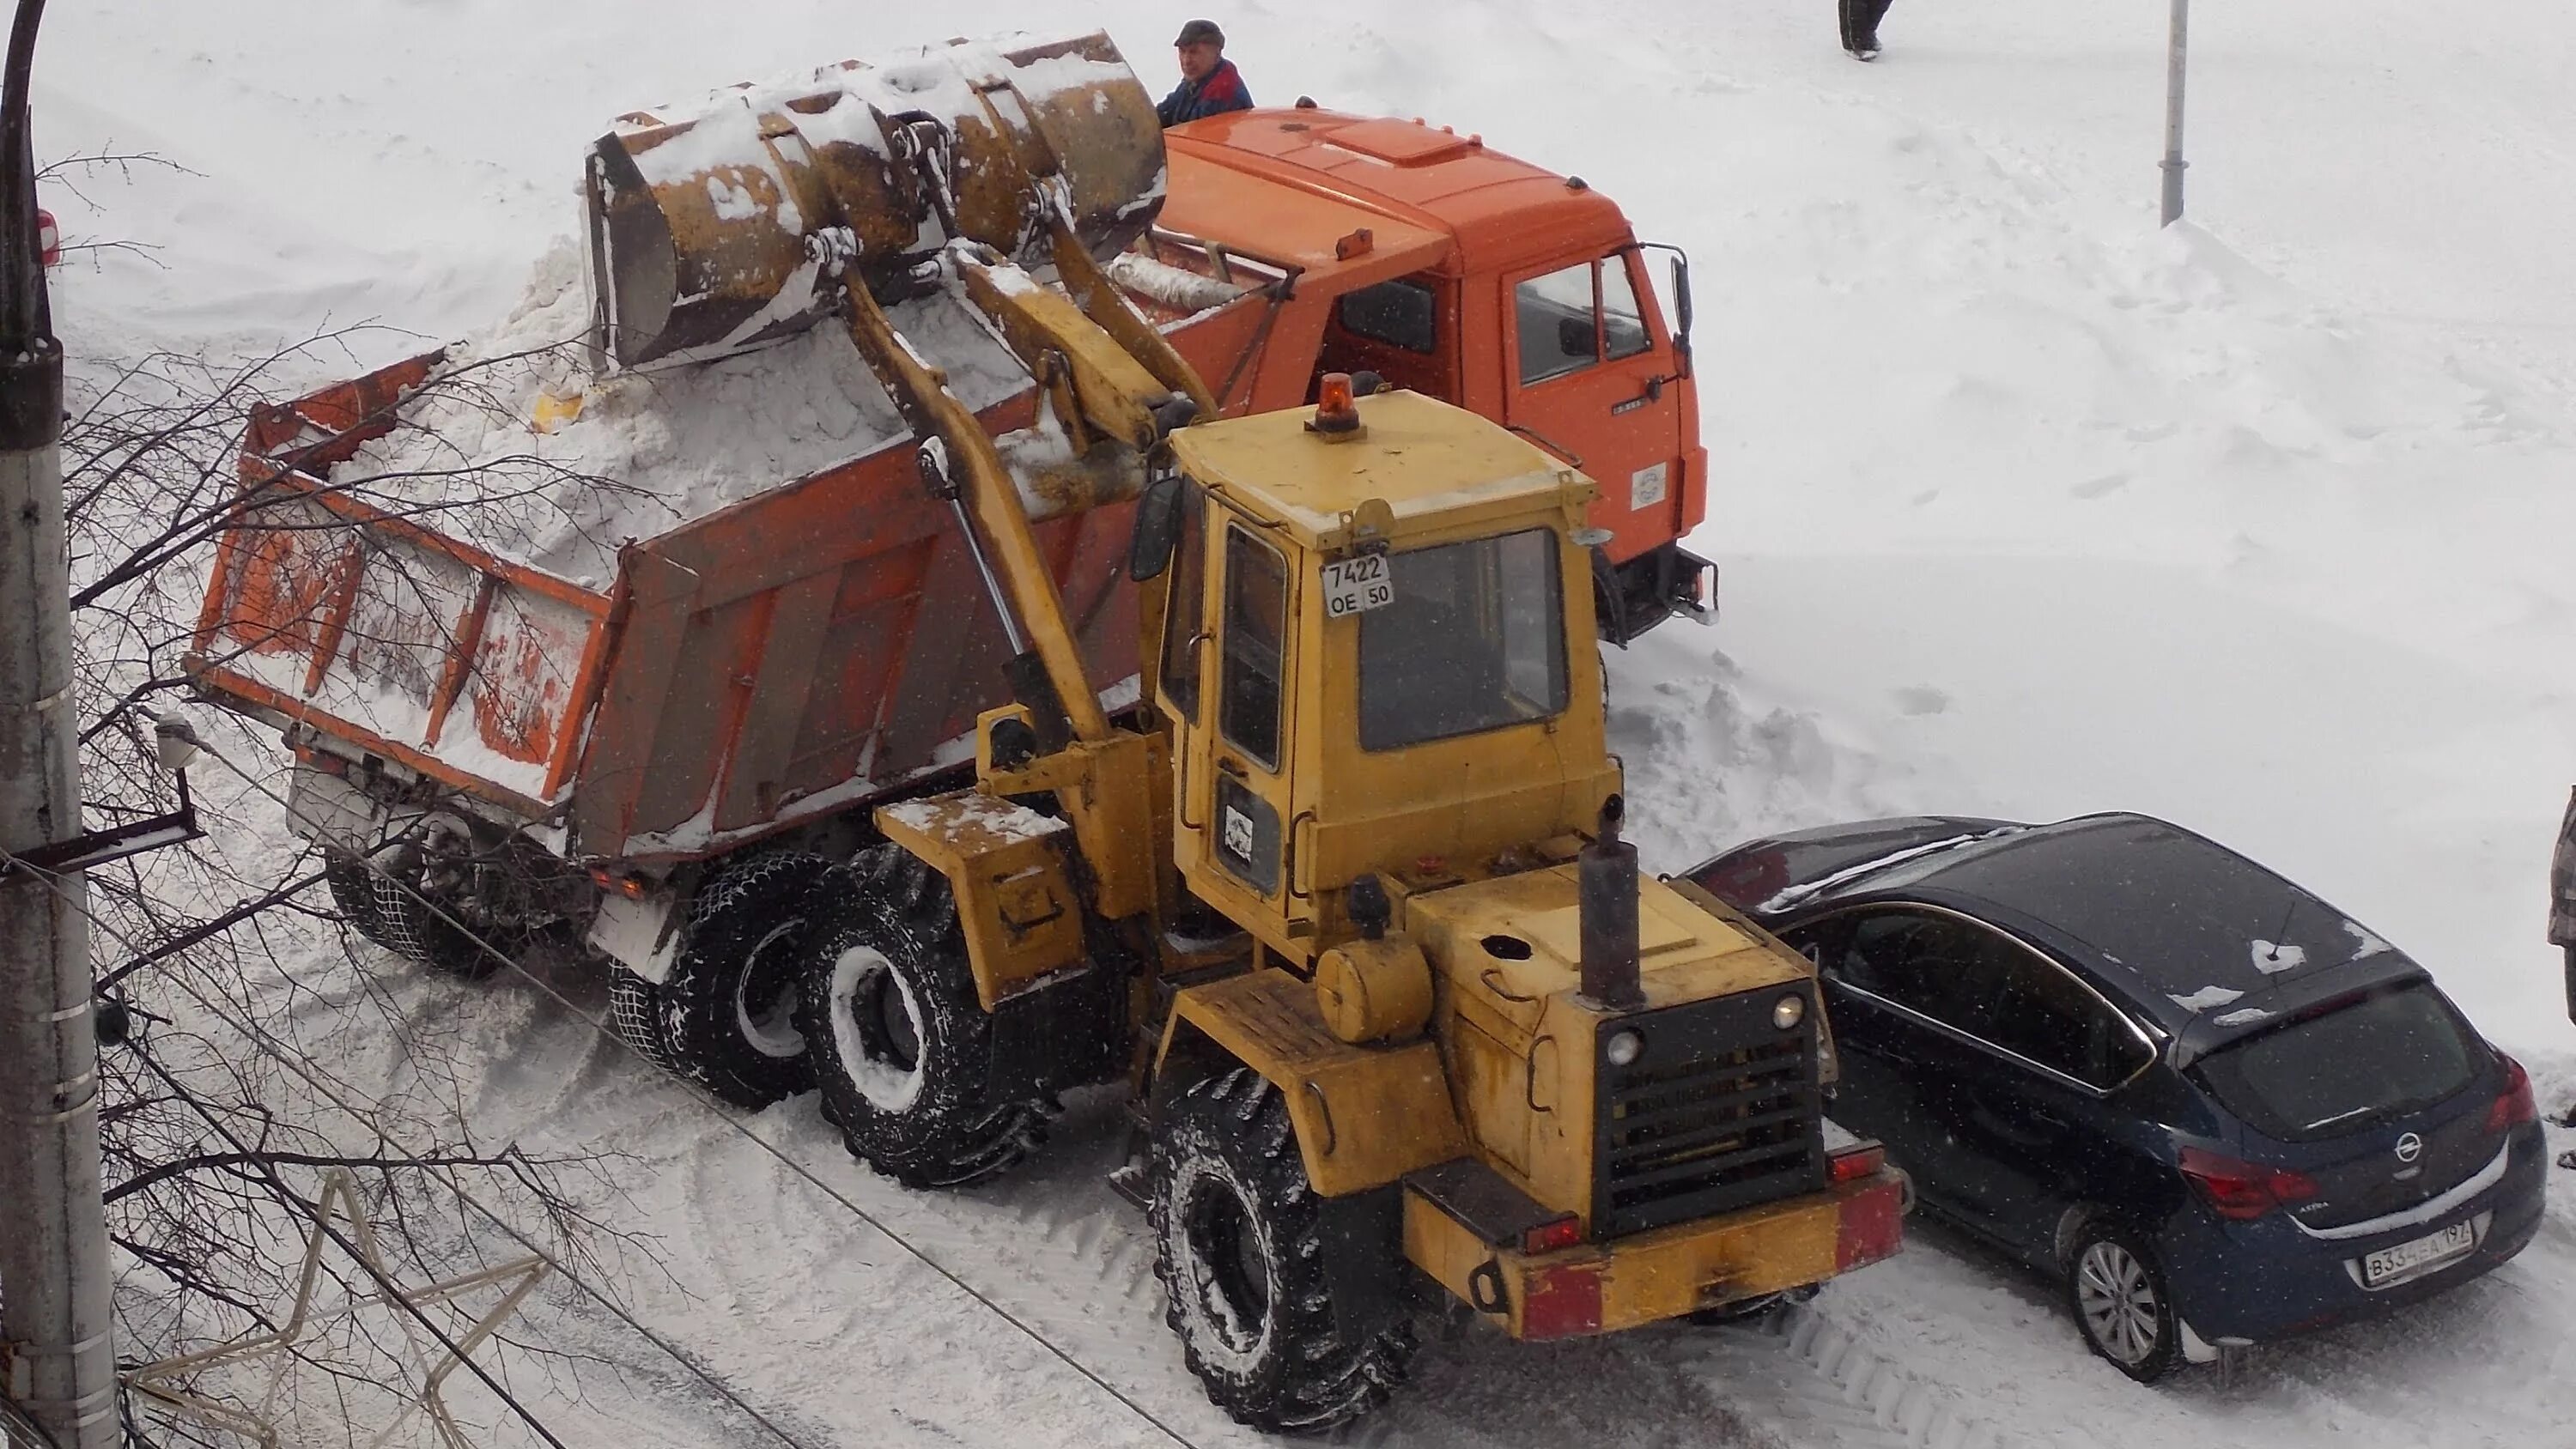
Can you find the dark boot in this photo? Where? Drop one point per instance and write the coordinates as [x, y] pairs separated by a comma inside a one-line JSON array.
[[1860, 26]]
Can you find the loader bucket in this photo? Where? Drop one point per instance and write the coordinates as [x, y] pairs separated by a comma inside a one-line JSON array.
[[718, 227]]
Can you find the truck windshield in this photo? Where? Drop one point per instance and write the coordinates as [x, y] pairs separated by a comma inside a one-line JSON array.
[[1474, 639]]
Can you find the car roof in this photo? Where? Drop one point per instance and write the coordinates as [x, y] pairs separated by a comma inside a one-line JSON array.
[[2190, 933]]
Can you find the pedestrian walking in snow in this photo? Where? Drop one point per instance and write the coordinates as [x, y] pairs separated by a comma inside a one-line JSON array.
[[1860, 26], [1210, 85], [2562, 899], [2562, 928]]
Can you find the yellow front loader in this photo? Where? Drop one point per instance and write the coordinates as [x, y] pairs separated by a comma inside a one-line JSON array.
[[1341, 900]]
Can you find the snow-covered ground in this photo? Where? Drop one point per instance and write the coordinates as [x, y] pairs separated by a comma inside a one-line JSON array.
[[2024, 507]]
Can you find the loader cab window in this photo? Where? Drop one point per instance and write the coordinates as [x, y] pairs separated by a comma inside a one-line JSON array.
[[1185, 625], [1474, 640], [1256, 625], [1576, 316]]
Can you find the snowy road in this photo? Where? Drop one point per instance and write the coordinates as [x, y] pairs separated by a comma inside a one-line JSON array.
[[2024, 509]]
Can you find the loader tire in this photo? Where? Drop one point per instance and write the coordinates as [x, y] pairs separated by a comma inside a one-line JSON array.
[[1239, 1247], [635, 1018], [898, 1042], [727, 1010]]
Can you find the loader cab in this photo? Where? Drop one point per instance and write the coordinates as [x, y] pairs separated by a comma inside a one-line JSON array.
[[1377, 656]]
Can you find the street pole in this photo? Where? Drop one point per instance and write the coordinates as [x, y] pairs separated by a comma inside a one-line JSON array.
[[56, 1351], [2173, 164]]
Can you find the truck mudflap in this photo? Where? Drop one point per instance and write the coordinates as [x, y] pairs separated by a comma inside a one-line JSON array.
[[1603, 1287]]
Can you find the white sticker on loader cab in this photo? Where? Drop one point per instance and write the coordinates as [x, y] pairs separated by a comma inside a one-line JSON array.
[[1357, 585], [1238, 834], [1646, 486]]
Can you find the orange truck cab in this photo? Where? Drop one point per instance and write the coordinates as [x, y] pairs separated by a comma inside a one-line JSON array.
[[1513, 292]]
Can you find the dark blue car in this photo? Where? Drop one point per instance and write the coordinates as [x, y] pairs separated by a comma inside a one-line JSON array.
[[2214, 1107]]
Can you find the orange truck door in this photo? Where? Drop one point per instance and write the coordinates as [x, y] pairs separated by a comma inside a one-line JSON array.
[[1586, 376]]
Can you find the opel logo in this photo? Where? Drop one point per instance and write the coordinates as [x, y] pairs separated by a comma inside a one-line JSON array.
[[2409, 1147]]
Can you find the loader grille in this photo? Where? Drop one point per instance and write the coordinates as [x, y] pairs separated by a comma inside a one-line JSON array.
[[1721, 1110]]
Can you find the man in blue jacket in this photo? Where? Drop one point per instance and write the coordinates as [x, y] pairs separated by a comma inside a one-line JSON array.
[[1210, 85]]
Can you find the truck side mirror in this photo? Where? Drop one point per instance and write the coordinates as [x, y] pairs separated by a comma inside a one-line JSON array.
[[1681, 304], [1158, 528]]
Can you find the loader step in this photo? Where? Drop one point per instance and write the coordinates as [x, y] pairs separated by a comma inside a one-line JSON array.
[[1480, 1199]]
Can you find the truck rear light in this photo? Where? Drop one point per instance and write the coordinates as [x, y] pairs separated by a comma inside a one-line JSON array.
[[2241, 1190], [1564, 1302], [1854, 1163], [2513, 1106], [633, 887], [1868, 1226], [49, 239], [1547, 1237]]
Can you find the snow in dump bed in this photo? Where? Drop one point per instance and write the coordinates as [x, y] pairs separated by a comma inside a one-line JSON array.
[[646, 451]]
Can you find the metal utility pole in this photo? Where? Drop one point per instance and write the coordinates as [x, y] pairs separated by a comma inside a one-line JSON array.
[[2176, 48], [55, 1350]]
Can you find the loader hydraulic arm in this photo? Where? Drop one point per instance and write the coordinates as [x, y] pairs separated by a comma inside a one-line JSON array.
[[992, 503]]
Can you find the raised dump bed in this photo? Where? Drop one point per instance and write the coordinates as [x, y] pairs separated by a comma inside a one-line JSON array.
[[716, 600]]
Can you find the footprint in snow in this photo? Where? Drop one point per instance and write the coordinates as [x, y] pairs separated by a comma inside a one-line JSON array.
[[1922, 699]]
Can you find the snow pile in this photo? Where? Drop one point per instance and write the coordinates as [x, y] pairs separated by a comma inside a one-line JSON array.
[[651, 450], [2025, 509]]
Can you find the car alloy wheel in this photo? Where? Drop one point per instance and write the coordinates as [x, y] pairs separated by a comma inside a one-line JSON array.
[[2118, 1302]]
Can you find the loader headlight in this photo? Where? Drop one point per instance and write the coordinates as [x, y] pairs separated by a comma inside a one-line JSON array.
[[1788, 1011], [1623, 1048]]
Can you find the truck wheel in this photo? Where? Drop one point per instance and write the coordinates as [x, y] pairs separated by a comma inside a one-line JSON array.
[[353, 895], [2121, 1304], [728, 1008], [635, 1016], [1240, 1251], [896, 1038], [417, 904]]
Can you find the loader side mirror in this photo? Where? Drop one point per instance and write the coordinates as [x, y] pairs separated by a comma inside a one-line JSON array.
[[1158, 528]]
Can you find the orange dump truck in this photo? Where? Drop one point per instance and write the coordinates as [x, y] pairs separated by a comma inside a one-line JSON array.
[[537, 737]]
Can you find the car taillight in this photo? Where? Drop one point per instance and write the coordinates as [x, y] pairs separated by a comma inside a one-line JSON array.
[[2513, 1106], [2241, 1190], [1547, 1237], [1854, 1163]]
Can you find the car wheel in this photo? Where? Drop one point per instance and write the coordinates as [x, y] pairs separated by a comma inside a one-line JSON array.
[[2121, 1305]]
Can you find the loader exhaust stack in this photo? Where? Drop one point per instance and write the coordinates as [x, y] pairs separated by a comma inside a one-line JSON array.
[[728, 225], [1606, 907]]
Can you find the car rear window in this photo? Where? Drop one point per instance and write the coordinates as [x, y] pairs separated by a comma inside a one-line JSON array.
[[2357, 1063]]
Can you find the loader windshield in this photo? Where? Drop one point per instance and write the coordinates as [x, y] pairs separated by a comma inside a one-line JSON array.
[[1473, 640]]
